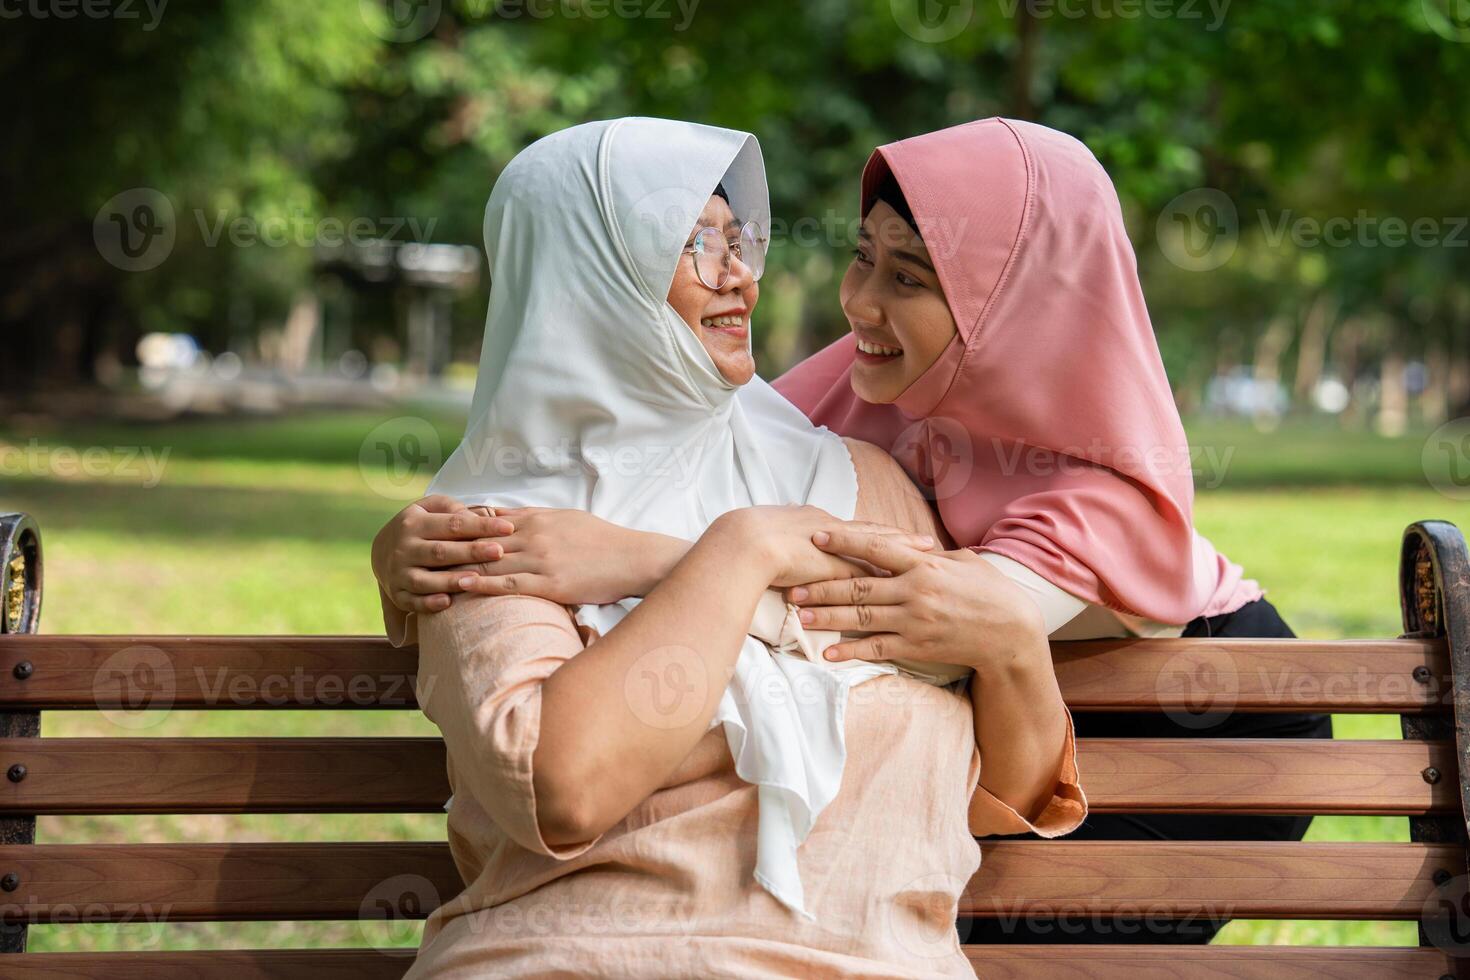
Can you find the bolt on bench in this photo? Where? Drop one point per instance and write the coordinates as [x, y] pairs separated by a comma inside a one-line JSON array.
[[1424, 676]]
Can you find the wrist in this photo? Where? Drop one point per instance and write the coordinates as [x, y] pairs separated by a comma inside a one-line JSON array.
[[647, 557], [1019, 669], [743, 534], [1020, 650], [658, 554]]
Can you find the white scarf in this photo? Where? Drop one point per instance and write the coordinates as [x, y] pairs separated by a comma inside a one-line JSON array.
[[594, 394]]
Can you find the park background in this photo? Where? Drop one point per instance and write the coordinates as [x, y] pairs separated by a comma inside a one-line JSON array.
[[242, 294]]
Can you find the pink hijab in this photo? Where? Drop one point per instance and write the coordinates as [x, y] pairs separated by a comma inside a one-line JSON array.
[[1046, 431]]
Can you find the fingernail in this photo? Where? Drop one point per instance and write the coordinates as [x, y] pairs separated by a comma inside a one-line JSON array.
[[807, 615], [798, 594], [830, 654], [821, 538], [505, 527], [467, 581], [926, 539]]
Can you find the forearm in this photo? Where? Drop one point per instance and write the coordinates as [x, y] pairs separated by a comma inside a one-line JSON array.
[[617, 719], [1020, 727], [654, 558]]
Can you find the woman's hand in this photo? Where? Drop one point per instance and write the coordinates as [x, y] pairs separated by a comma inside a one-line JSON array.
[[570, 556], [415, 553], [785, 534], [949, 607]]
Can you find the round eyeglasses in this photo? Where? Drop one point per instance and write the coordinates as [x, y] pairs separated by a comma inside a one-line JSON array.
[[712, 253]]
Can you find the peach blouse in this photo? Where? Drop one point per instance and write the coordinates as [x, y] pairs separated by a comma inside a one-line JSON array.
[[668, 890]]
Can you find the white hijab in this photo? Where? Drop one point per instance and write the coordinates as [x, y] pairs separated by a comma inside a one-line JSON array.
[[594, 394]]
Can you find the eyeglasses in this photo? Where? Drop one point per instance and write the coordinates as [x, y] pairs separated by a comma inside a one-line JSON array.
[[712, 253]]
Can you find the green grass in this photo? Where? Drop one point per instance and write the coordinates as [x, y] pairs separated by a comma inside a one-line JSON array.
[[262, 526], [1309, 453]]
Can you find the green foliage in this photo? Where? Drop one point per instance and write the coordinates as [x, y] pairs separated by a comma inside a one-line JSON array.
[[273, 109]]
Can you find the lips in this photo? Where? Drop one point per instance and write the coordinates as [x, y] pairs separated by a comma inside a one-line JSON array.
[[731, 326], [876, 350]]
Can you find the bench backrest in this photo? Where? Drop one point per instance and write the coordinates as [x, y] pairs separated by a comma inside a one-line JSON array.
[[1424, 676]]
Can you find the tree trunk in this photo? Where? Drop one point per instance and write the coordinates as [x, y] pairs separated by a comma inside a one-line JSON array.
[[1393, 396], [301, 342], [1266, 371], [1023, 71], [1434, 401], [1346, 343], [1457, 379], [1312, 348]]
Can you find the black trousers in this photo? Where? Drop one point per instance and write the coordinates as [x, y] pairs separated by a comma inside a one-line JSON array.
[[1258, 619]]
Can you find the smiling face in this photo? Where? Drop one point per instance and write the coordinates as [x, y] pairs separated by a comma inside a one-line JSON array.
[[899, 317], [720, 318]]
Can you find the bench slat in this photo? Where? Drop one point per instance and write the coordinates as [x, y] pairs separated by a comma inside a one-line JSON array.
[[1194, 674], [1264, 776], [1000, 962], [85, 672], [1215, 879], [234, 964], [224, 775], [235, 882], [248, 672], [225, 882], [1167, 962], [407, 775]]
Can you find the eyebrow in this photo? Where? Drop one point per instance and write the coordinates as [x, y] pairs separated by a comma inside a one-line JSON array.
[[901, 253], [915, 258], [732, 226]]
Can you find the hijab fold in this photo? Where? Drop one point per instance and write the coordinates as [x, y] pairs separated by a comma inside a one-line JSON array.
[[1046, 431]]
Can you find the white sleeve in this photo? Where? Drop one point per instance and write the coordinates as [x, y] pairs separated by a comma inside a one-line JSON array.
[[1058, 606]]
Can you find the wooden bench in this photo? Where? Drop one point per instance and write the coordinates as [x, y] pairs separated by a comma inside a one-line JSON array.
[[1424, 676]]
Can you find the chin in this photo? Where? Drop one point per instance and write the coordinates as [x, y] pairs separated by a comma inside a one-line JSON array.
[[738, 372], [879, 394]]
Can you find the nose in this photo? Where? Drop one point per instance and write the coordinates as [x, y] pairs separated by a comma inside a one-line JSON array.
[[740, 279], [863, 303]]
